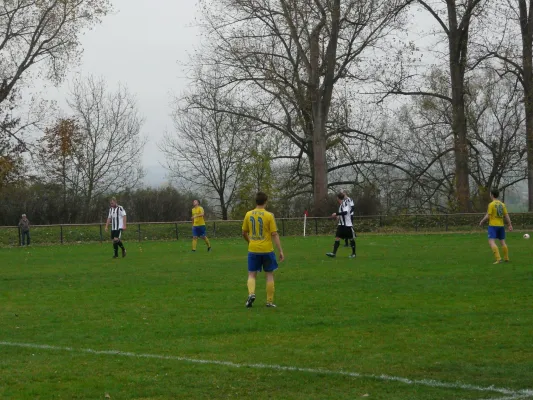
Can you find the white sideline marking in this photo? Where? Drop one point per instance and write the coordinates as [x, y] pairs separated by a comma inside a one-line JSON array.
[[510, 393], [515, 397]]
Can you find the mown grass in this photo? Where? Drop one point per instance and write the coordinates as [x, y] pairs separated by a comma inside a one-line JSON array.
[[420, 307]]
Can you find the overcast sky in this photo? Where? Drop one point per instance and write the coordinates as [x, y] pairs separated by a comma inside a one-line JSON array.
[[141, 45]]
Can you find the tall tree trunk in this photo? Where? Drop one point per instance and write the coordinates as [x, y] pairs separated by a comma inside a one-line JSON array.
[[527, 66], [88, 201], [223, 206], [461, 152], [319, 165], [458, 45], [529, 141]]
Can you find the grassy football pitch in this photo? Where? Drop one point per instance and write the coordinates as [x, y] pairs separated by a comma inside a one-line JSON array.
[[413, 317]]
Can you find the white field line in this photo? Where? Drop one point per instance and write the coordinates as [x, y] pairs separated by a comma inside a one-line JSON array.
[[515, 397], [510, 394]]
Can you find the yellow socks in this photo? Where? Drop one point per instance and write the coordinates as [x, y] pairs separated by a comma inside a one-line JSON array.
[[496, 252], [270, 292], [194, 243], [207, 242], [251, 286], [505, 251]]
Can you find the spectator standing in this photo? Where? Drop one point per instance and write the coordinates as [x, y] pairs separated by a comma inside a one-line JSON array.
[[24, 226]]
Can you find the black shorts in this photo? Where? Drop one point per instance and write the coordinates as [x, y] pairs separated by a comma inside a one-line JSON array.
[[345, 232], [116, 234]]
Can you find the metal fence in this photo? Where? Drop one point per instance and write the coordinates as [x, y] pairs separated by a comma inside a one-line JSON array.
[[67, 234]]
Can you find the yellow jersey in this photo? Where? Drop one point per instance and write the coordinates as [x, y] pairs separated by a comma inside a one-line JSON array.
[[199, 221], [260, 224], [496, 211]]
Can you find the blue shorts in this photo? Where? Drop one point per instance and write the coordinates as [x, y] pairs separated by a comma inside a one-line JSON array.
[[198, 231], [262, 261], [497, 232]]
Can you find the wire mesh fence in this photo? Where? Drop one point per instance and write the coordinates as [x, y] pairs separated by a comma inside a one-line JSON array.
[[69, 234]]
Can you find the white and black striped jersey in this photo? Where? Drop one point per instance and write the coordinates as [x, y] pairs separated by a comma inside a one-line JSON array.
[[349, 202], [116, 215], [345, 218]]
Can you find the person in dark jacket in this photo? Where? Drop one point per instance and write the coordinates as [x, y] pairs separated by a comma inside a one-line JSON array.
[[24, 226]]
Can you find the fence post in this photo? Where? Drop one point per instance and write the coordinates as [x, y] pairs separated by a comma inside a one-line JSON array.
[[446, 222], [101, 235], [316, 226], [61, 233], [176, 225], [214, 229], [139, 230], [283, 227]]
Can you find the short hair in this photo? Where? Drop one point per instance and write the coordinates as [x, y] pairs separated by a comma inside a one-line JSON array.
[[340, 196], [23, 215], [344, 191], [261, 198], [495, 193], [113, 199]]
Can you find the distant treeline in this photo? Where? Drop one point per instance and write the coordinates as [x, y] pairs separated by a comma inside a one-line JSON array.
[[45, 204], [48, 204]]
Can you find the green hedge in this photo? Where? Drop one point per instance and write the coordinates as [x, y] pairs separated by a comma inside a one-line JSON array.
[[67, 234]]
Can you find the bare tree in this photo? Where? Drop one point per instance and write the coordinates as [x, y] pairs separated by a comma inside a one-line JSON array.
[[454, 19], [496, 125], [509, 40], [286, 57], [34, 32], [209, 147], [109, 155], [42, 33]]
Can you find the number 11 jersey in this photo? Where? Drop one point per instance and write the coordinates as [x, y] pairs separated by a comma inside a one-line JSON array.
[[260, 224], [497, 211]]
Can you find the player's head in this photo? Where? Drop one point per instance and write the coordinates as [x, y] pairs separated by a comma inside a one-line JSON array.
[[340, 197], [344, 192], [113, 201], [261, 198], [195, 203], [23, 216], [494, 193]]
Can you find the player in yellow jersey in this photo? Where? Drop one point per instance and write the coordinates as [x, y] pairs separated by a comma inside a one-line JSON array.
[[198, 226], [496, 213], [260, 232]]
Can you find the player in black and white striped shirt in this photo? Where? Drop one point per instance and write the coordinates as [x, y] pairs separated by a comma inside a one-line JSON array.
[[349, 202], [345, 226], [117, 219]]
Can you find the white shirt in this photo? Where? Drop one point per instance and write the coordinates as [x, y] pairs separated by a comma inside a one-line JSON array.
[[350, 204], [117, 214], [345, 220]]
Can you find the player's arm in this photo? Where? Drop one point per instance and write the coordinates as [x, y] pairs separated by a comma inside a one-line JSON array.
[[245, 229], [486, 217], [124, 222], [277, 242], [107, 222], [507, 219], [344, 211]]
